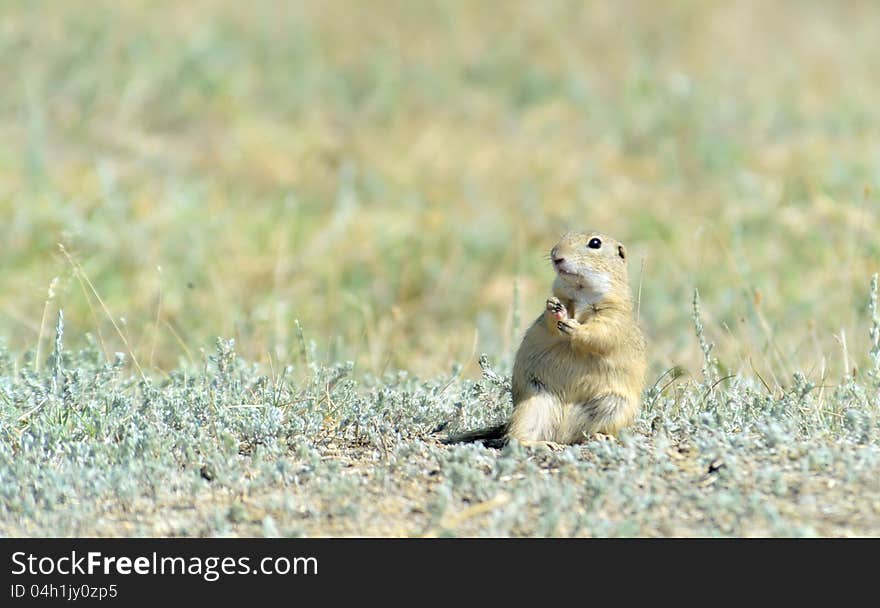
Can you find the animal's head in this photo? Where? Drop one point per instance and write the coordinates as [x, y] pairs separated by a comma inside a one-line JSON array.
[[588, 263]]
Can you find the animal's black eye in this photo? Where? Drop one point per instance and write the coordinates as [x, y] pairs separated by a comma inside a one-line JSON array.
[[594, 243]]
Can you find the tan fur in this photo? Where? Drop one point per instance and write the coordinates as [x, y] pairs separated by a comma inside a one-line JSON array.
[[580, 368]]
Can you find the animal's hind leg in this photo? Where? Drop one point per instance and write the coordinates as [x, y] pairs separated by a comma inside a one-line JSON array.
[[535, 419], [547, 445], [613, 412], [600, 417]]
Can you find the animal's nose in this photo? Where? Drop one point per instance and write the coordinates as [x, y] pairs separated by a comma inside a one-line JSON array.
[[558, 261]]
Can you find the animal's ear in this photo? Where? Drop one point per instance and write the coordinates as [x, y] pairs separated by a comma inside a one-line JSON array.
[[621, 251]]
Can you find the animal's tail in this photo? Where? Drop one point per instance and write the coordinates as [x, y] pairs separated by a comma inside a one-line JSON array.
[[492, 437]]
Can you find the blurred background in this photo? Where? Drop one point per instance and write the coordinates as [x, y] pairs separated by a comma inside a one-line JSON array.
[[392, 174]]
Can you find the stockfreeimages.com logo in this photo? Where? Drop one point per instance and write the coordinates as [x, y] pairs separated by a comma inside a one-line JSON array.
[[209, 568]]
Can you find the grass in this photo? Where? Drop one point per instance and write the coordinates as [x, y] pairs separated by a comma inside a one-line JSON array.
[[360, 199], [90, 448]]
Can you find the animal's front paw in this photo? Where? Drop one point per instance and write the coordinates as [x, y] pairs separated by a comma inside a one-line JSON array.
[[555, 308], [567, 326]]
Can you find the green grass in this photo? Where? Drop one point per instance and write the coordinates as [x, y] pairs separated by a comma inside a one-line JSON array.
[[90, 449], [362, 197]]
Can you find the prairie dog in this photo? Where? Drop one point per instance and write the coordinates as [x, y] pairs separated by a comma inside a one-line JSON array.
[[580, 368]]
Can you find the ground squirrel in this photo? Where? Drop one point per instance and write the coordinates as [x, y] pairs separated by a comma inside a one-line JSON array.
[[580, 368]]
